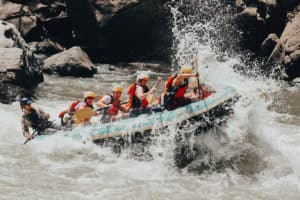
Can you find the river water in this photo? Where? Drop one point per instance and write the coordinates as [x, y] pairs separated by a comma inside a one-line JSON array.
[[260, 157]]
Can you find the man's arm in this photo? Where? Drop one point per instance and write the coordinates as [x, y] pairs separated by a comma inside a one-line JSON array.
[[25, 130], [139, 93], [43, 113], [176, 81]]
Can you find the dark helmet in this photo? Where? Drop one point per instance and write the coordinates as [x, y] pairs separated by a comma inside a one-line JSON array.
[[25, 101]]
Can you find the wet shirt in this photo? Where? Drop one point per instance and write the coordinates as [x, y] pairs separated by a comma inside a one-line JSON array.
[[107, 99], [33, 120], [81, 105]]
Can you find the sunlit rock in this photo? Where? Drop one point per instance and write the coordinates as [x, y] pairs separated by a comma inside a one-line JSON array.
[[17, 14], [18, 66], [290, 39], [72, 62]]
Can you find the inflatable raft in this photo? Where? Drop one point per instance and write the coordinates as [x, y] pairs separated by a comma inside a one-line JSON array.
[[213, 106]]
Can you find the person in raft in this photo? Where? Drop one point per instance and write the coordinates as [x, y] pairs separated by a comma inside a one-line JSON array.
[[111, 104], [66, 116], [36, 119], [84, 110], [176, 87], [138, 93]]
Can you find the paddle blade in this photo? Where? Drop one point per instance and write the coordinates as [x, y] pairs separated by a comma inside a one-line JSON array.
[[150, 99], [83, 115]]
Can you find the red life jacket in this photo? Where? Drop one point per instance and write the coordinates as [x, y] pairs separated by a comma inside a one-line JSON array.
[[174, 93], [116, 104], [135, 102], [205, 94], [71, 109]]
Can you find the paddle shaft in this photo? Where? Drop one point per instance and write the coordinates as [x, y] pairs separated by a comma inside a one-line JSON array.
[[150, 97], [36, 132], [196, 65], [33, 135], [157, 82], [107, 107]]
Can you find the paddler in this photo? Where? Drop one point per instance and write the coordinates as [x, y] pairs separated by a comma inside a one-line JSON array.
[[176, 86], [36, 119], [138, 93], [111, 104], [84, 110]]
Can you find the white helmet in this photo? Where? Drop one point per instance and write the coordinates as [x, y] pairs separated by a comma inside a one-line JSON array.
[[142, 76]]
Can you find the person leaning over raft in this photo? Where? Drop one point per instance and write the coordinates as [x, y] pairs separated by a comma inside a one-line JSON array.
[[111, 104], [138, 93], [174, 95], [36, 119], [88, 102]]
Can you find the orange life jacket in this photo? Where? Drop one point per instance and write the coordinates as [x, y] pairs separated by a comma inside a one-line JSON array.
[[135, 102]]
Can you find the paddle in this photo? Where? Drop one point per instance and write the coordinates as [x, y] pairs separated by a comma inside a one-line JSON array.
[[107, 107], [36, 131], [196, 67], [33, 135], [150, 97], [206, 90], [81, 115]]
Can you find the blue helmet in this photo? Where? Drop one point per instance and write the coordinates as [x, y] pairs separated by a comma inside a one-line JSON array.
[[25, 101]]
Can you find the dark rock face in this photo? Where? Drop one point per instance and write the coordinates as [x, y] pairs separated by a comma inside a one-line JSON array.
[[18, 66], [9, 93], [268, 44], [122, 31], [258, 18], [109, 31], [262, 21], [72, 62], [140, 32], [46, 47], [39, 21]]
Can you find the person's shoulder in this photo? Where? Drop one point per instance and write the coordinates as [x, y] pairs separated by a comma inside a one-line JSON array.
[[40, 110], [80, 104], [139, 87], [106, 98]]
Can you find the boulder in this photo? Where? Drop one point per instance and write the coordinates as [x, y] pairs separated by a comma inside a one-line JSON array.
[[145, 66], [39, 20], [19, 15], [46, 47], [262, 21], [72, 62], [18, 66], [258, 19], [13, 59], [290, 40]]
